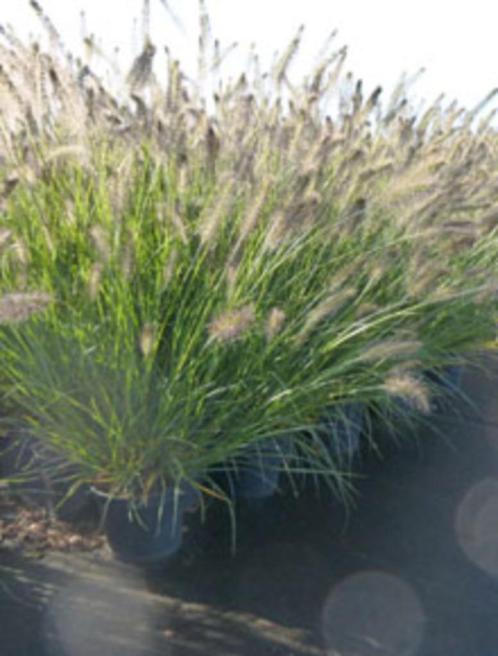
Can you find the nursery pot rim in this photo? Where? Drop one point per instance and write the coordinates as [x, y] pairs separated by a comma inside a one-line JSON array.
[[109, 497]]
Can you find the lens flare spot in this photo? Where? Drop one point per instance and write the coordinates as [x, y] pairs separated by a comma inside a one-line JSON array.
[[370, 614], [476, 525]]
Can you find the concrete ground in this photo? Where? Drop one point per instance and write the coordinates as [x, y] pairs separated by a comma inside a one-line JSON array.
[[411, 570]]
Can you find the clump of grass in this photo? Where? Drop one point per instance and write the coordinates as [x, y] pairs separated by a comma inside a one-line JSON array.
[[217, 280]]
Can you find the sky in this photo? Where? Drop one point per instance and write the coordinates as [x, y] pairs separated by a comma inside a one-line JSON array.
[[455, 42]]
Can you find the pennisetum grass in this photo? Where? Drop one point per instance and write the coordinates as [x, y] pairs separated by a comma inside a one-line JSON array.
[[178, 284]]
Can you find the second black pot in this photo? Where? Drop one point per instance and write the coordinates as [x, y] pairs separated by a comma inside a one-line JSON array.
[[341, 433], [259, 470], [449, 381]]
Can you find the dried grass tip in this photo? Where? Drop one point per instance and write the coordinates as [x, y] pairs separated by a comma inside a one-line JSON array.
[[230, 326], [19, 306], [409, 388]]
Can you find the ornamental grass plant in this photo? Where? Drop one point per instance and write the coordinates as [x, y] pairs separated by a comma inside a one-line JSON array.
[[179, 284]]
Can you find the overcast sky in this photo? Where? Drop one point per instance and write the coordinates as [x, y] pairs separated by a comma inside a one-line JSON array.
[[456, 42]]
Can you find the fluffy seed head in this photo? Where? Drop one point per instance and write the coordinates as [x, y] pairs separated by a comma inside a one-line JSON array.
[[21, 252], [274, 322], [179, 225], [389, 349], [141, 70], [231, 325], [127, 260], [214, 216], [366, 309], [169, 268], [100, 242], [426, 280], [326, 309], [231, 277], [409, 388], [19, 306], [148, 338], [253, 212], [276, 231], [94, 280], [212, 146]]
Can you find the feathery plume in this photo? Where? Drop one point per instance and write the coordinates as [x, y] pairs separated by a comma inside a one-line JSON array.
[[220, 56], [179, 224], [231, 277], [373, 98], [100, 242], [94, 280], [76, 151], [357, 98], [54, 35], [141, 70], [287, 57], [426, 282], [148, 339], [253, 213], [231, 325], [20, 252], [212, 146], [127, 260], [169, 268], [326, 309], [409, 388], [389, 349], [345, 274], [324, 63], [274, 322], [19, 306], [335, 74], [481, 105], [366, 309], [209, 224], [277, 228], [376, 171]]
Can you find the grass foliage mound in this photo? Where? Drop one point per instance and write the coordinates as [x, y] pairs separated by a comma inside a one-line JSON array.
[[178, 284]]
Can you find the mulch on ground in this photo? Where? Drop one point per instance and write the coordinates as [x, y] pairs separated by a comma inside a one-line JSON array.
[[36, 530]]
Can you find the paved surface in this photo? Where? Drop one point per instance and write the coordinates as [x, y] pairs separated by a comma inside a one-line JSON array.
[[412, 570]]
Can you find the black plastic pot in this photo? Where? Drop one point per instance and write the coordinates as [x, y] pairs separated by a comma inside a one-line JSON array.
[[449, 381], [341, 435], [147, 533], [258, 472]]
